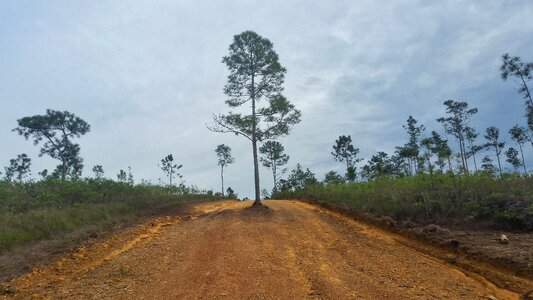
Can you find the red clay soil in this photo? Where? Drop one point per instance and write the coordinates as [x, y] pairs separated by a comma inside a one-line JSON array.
[[226, 250]]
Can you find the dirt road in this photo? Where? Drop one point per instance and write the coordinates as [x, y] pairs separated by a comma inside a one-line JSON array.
[[223, 250]]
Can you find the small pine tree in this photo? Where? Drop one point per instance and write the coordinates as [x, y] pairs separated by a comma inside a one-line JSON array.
[[493, 142], [512, 158], [170, 168], [345, 152], [122, 176]]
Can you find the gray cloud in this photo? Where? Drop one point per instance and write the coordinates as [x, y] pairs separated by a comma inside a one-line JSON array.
[[148, 75]]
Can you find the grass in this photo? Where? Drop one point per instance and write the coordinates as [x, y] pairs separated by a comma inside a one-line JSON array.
[[42, 210], [446, 199]]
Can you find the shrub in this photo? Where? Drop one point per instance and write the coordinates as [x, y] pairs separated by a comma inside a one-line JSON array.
[[439, 198]]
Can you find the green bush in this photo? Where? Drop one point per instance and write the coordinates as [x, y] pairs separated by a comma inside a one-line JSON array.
[[440, 198]]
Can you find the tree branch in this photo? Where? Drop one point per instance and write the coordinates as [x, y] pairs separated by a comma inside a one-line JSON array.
[[223, 128]]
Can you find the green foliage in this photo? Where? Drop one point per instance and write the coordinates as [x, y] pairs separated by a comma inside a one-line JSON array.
[[487, 166], [255, 75], [381, 165], [170, 168], [457, 125], [493, 142], [441, 198], [98, 171], [55, 130], [122, 176], [411, 149], [298, 179], [333, 177], [512, 158], [345, 152], [18, 167], [520, 135], [39, 210], [231, 193], [522, 73], [514, 67], [224, 155], [439, 147], [44, 173]]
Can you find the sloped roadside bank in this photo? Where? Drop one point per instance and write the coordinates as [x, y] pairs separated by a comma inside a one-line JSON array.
[[37, 253], [479, 253]]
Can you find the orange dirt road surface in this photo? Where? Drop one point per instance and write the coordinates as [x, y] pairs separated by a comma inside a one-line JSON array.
[[225, 250]]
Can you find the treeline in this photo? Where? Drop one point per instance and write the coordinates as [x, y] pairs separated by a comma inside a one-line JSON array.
[[478, 178], [424, 153]]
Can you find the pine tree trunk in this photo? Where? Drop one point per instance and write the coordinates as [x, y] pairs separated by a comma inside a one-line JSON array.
[[275, 189], [254, 148], [499, 164], [523, 161], [471, 143], [256, 171], [528, 94], [465, 158], [348, 171], [222, 177], [429, 165], [64, 169]]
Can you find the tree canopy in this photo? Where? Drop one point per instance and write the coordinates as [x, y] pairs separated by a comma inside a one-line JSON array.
[[170, 168], [522, 73], [56, 130], [18, 167], [493, 142], [411, 149], [457, 125], [344, 151]]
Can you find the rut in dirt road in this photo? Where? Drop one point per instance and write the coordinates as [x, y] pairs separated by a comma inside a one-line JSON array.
[[292, 250]]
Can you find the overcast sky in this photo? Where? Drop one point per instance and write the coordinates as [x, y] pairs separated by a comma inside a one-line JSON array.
[[147, 76]]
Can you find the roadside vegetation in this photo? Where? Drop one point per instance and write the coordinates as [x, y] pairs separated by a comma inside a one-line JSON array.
[[33, 211], [444, 199]]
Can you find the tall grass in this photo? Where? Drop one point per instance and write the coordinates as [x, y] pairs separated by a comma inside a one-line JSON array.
[[440, 198], [41, 210]]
